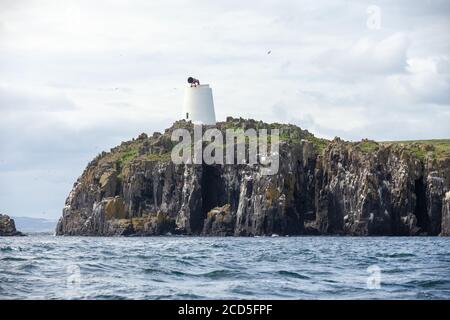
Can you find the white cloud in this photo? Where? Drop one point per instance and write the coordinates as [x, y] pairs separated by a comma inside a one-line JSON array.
[[427, 81], [368, 57]]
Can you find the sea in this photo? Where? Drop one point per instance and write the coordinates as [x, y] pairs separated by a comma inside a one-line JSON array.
[[42, 266]]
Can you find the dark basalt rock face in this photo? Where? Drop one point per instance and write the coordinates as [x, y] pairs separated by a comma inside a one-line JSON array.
[[8, 227], [383, 192], [322, 187]]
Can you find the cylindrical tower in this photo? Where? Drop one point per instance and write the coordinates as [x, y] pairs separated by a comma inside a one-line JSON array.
[[198, 105]]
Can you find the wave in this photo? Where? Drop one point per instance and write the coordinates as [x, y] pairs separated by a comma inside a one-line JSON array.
[[13, 259], [30, 266], [430, 283], [231, 268], [396, 255], [220, 274], [291, 274], [165, 272]]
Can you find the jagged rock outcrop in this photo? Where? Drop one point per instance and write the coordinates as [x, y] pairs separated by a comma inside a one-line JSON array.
[[321, 187], [8, 227], [220, 221]]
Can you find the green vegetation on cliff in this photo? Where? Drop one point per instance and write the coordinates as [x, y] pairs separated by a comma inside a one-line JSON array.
[[434, 149], [367, 146], [437, 149], [158, 146]]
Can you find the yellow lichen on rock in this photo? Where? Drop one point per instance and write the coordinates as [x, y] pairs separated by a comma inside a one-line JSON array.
[[272, 193], [115, 208]]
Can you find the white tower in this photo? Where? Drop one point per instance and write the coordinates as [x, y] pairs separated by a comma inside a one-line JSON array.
[[198, 105]]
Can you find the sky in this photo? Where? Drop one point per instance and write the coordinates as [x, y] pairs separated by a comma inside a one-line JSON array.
[[79, 77]]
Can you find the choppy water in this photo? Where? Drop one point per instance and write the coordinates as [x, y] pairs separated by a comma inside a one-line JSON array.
[[47, 267]]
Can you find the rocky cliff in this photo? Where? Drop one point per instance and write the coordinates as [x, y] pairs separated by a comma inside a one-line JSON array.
[[322, 187], [8, 227]]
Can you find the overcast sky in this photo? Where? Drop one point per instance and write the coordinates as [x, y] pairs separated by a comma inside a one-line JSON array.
[[78, 77]]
